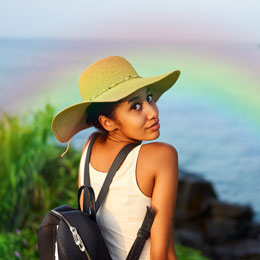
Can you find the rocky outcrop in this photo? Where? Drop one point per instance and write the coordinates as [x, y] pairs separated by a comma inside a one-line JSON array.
[[219, 229]]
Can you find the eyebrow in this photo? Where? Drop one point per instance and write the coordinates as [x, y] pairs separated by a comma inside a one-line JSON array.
[[137, 97], [133, 99]]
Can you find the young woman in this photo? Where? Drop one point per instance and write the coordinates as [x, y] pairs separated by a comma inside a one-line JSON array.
[[122, 106]]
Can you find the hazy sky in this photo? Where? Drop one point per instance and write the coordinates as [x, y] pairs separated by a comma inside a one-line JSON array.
[[116, 19]]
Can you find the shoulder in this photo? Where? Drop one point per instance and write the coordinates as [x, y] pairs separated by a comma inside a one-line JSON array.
[[159, 156], [159, 151]]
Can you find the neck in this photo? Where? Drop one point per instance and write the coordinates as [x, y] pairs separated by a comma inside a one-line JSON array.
[[113, 137]]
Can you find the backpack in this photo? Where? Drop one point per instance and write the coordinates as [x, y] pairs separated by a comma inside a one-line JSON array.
[[73, 234]]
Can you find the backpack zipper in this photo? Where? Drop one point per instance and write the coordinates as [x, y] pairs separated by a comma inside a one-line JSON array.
[[75, 234]]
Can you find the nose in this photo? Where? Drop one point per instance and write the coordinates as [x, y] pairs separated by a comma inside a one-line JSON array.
[[151, 111]]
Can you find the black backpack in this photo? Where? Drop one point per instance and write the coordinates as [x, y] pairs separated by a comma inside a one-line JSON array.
[[71, 234]]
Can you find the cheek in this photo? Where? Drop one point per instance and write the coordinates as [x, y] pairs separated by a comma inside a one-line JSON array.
[[138, 120], [133, 122], [156, 108]]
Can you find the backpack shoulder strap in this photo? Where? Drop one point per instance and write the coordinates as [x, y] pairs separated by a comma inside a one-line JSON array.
[[142, 235], [86, 170]]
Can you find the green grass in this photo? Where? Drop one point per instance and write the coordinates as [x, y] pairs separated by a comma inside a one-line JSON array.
[[18, 245], [34, 179], [33, 176], [185, 253]]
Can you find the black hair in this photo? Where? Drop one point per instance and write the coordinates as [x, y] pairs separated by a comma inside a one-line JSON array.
[[95, 110]]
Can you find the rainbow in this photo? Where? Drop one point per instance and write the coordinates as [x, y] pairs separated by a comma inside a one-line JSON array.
[[224, 82], [220, 80]]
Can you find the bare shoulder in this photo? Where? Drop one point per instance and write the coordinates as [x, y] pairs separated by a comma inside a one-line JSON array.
[[159, 156], [159, 151]]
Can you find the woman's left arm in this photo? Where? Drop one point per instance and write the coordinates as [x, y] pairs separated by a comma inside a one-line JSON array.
[[171, 250], [163, 202]]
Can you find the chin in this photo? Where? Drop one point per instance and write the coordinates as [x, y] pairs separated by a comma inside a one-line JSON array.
[[153, 136]]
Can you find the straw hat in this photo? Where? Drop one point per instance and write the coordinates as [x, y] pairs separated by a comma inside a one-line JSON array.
[[106, 80]]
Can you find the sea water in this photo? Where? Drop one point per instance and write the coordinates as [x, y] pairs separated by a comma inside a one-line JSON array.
[[221, 147]]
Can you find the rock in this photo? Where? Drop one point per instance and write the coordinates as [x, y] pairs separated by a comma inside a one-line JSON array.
[[221, 252], [193, 192], [219, 209], [189, 237], [244, 249], [254, 230], [247, 249], [221, 230]]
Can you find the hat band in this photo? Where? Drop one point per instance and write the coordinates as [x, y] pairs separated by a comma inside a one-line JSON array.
[[115, 84]]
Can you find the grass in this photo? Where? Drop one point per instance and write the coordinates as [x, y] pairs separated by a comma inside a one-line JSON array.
[[33, 176]]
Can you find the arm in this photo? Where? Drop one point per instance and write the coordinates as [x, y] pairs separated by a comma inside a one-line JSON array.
[[163, 203], [171, 249]]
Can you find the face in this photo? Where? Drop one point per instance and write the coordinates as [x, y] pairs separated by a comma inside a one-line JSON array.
[[136, 118]]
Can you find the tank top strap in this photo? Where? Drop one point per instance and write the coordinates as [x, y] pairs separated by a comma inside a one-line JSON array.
[[130, 162]]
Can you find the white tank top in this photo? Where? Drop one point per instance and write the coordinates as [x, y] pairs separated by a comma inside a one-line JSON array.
[[122, 212]]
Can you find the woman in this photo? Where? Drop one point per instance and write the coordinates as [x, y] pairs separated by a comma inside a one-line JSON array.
[[121, 105]]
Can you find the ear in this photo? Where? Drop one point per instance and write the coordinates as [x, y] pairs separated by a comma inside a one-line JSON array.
[[107, 123]]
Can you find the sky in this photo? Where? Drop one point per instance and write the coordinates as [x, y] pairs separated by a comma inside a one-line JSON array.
[[200, 20]]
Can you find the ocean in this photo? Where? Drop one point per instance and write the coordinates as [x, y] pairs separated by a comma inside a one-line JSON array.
[[214, 126]]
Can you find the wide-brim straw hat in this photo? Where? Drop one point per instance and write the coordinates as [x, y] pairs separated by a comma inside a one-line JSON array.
[[107, 80]]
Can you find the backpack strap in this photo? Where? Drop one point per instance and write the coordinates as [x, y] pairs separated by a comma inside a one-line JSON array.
[[86, 198], [142, 235], [86, 171]]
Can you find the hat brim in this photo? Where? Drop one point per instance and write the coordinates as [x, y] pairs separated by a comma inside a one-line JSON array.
[[72, 119]]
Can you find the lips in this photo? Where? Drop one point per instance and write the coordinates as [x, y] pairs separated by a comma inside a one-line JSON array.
[[154, 126]]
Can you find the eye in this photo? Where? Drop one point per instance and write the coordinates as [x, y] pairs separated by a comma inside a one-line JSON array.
[[136, 106], [149, 98]]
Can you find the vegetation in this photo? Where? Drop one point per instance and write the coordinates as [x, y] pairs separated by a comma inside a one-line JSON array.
[[19, 245], [184, 253], [34, 179]]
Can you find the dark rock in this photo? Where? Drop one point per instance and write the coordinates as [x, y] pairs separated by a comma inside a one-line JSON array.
[[184, 218], [244, 249], [226, 210], [193, 192], [221, 230], [189, 237], [221, 252], [247, 249], [254, 230]]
